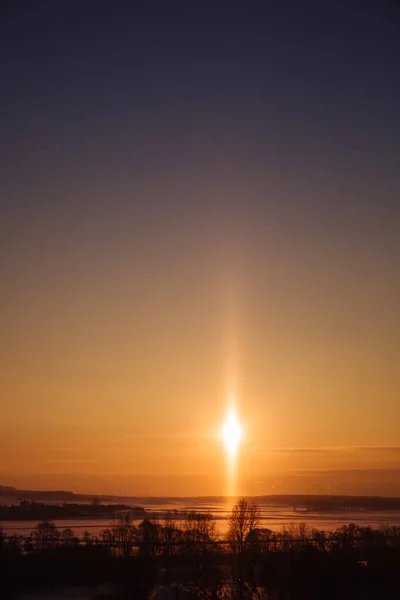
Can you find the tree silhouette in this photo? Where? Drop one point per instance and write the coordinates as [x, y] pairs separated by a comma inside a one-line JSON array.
[[243, 526], [125, 534], [148, 536], [45, 535], [68, 537], [170, 535], [2, 541], [199, 533]]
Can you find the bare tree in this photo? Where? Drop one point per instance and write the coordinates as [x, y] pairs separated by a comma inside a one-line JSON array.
[[88, 538], [169, 534], [106, 538], [124, 535], [243, 526], [199, 533], [45, 535], [296, 536], [148, 536], [68, 537]]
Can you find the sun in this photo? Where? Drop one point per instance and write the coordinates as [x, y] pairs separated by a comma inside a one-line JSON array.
[[231, 432]]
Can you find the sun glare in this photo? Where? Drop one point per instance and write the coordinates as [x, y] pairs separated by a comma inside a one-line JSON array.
[[231, 432]]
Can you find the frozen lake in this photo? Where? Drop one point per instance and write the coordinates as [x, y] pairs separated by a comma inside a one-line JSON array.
[[273, 517]]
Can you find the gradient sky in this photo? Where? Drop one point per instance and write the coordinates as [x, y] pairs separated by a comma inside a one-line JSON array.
[[198, 199]]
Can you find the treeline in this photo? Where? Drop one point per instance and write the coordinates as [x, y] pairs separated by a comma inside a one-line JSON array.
[[197, 534], [248, 561], [36, 511]]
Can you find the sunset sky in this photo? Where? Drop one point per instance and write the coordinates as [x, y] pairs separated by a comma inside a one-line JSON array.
[[198, 200]]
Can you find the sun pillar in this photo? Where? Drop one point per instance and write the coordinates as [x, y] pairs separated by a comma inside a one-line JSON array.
[[231, 434]]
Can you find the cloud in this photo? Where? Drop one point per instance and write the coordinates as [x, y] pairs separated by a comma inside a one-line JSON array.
[[301, 450], [337, 449], [72, 462], [394, 449], [133, 438]]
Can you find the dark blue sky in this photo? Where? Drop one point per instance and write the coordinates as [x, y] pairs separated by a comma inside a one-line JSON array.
[[293, 90]]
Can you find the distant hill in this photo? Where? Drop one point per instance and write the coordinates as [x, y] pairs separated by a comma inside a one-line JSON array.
[[52, 496], [311, 502]]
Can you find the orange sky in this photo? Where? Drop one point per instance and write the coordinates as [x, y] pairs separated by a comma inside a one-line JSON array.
[[126, 383]]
